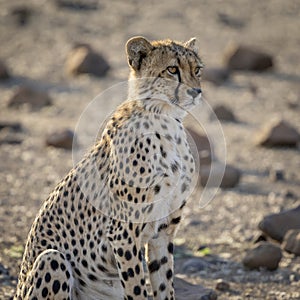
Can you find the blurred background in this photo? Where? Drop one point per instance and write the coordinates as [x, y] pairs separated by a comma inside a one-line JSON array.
[[56, 56]]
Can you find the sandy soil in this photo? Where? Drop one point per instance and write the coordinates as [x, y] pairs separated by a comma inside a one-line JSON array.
[[36, 53]]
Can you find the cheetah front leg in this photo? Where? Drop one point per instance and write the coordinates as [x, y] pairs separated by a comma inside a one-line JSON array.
[[50, 278], [161, 261], [126, 243]]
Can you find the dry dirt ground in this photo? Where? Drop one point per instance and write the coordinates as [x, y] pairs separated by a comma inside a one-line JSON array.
[[35, 54]]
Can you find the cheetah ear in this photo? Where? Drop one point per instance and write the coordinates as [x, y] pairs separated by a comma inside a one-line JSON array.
[[191, 44], [137, 48]]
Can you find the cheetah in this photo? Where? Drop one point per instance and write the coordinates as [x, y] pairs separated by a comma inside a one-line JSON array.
[[88, 239]]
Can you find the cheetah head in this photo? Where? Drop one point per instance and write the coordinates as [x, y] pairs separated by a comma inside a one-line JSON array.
[[166, 70]]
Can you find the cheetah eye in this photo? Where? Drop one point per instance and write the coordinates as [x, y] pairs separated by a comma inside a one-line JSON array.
[[198, 71], [172, 70]]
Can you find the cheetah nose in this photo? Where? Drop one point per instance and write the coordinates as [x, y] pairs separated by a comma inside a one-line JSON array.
[[194, 92]]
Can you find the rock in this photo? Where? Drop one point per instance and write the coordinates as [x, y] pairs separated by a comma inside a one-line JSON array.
[[14, 126], [230, 178], [8, 136], [265, 255], [230, 21], [60, 139], [203, 146], [276, 174], [26, 95], [216, 75], [4, 74], [224, 113], [77, 4], [277, 133], [248, 58], [222, 285], [185, 290], [21, 14], [193, 265], [291, 242], [83, 60], [10, 133], [277, 225]]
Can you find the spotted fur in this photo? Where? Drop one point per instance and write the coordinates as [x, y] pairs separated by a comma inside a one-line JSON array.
[[87, 241]]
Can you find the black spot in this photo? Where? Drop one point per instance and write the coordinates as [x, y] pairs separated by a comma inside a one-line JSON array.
[[137, 290], [47, 277], [128, 255], [54, 265], [162, 287], [169, 274], [82, 282], [42, 265], [171, 248], [137, 231], [77, 272], [38, 283], [92, 277], [120, 252], [84, 263], [154, 266], [156, 189], [130, 272], [55, 286], [157, 135], [174, 167], [183, 188], [162, 226], [45, 292], [125, 234], [125, 276], [137, 269], [64, 286], [176, 220], [142, 170], [164, 260]]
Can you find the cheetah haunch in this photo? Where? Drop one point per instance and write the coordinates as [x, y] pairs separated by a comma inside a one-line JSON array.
[[88, 238]]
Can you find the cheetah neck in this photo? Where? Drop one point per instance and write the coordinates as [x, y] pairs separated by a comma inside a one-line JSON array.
[[152, 101]]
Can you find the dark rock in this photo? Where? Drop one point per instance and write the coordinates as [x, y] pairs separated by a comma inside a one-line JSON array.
[[203, 146], [277, 225], [222, 285], [9, 136], [248, 58], [26, 95], [230, 178], [185, 290], [276, 174], [264, 255], [14, 126], [77, 4], [230, 21], [290, 195], [224, 113], [291, 242], [277, 133], [83, 60], [193, 265], [21, 14], [4, 74], [61, 139], [216, 75]]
